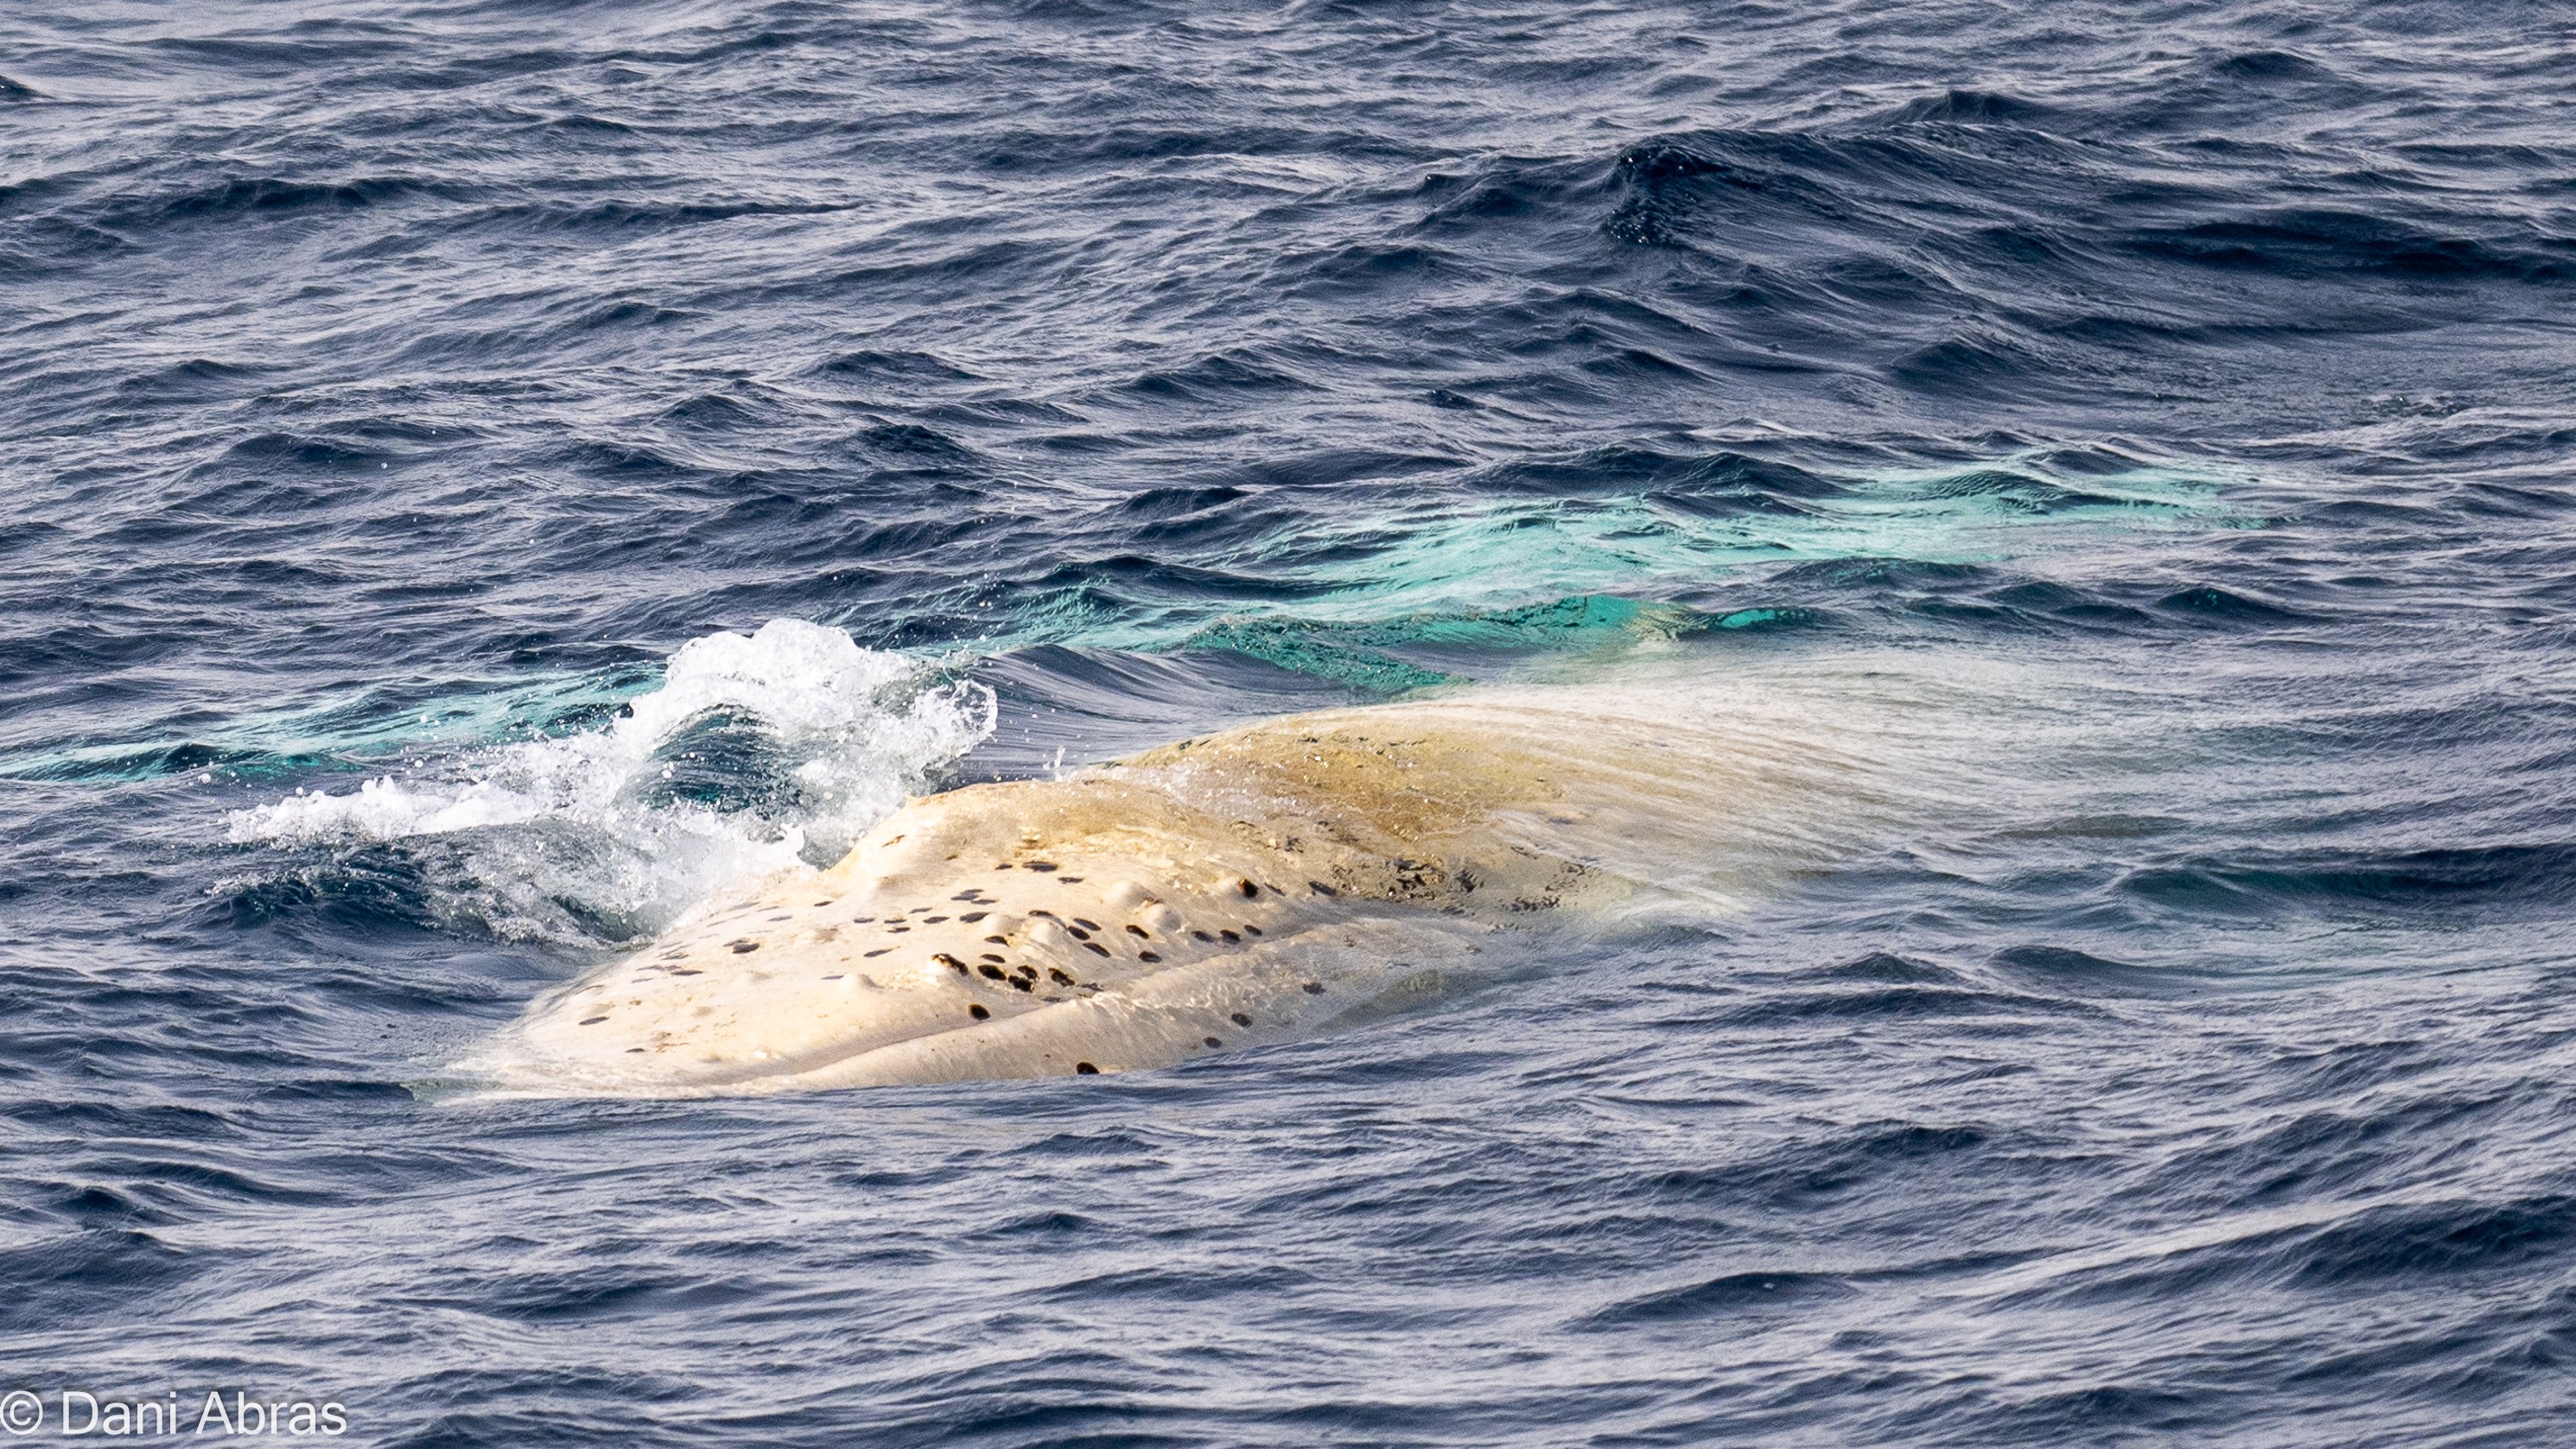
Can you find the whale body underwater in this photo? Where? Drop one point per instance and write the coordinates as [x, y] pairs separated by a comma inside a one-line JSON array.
[[1258, 885]]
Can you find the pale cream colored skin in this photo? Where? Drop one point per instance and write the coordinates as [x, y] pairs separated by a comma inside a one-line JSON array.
[[1247, 887]]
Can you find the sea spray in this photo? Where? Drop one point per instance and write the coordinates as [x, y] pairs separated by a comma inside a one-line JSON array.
[[796, 737]]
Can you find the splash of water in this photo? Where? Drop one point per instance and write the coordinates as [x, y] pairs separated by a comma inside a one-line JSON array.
[[755, 751]]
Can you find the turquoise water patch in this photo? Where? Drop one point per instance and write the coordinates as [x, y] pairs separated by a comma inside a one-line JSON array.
[[1446, 576], [1359, 654], [1468, 556], [1495, 553]]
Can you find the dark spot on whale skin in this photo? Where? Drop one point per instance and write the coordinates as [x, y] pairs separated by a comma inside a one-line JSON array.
[[1231, 938], [835, 976], [688, 973], [630, 1051], [1077, 933], [978, 1012], [1025, 970], [898, 930], [894, 840], [881, 950], [1240, 1019], [1005, 865], [966, 895], [1069, 879], [1138, 931], [951, 962], [863, 920], [780, 915], [1212, 1041], [932, 920], [1248, 888], [1314, 988], [1080, 1069], [820, 904], [1018, 985], [994, 972], [1041, 866], [1252, 930], [989, 956], [1059, 976], [1050, 915], [1321, 889], [1201, 936], [1086, 925], [1147, 956], [739, 947], [1095, 948], [971, 917], [592, 1020], [999, 940]]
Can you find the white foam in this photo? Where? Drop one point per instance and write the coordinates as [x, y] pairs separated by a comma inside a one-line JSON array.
[[571, 821]]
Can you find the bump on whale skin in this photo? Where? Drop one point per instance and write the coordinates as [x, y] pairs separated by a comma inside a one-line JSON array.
[[1249, 886]]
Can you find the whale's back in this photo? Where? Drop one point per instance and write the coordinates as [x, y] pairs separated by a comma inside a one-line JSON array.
[[1241, 887]]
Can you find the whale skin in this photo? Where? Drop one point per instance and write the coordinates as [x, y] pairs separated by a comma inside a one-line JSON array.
[[1250, 886]]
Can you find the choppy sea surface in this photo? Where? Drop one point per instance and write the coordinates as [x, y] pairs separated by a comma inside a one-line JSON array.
[[416, 418]]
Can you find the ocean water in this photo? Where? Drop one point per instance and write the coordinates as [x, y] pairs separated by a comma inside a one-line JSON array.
[[482, 477]]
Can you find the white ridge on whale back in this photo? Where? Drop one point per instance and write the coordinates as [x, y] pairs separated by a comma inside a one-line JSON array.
[[1250, 886]]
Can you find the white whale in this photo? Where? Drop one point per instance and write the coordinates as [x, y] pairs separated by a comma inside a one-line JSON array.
[[1242, 888]]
